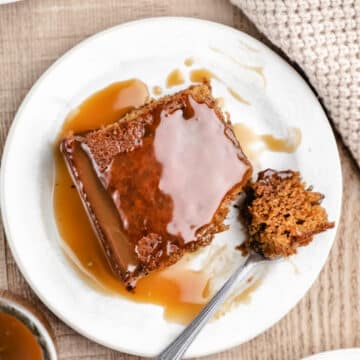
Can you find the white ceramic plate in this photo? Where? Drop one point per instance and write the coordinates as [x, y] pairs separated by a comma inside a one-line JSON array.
[[2, 2], [149, 50], [344, 354]]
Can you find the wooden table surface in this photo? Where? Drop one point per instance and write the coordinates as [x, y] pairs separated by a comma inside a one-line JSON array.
[[33, 34]]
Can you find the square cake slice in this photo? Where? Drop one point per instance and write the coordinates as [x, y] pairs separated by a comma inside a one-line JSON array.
[[159, 182]]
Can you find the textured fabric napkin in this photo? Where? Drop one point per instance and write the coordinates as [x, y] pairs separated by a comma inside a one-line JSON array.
[[323, 38]]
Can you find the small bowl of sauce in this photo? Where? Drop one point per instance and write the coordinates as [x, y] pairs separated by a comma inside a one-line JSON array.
[[24, 332]]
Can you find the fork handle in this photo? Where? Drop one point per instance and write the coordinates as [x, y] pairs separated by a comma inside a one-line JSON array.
[[177, 348]]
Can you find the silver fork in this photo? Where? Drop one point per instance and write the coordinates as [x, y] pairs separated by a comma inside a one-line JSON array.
[[177, 348]]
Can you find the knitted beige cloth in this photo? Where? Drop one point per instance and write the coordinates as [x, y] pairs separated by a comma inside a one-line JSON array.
[[323, 37]]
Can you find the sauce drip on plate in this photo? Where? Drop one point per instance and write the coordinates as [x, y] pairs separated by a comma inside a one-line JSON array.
[[175, 78], [189, 61], [200, 75], [255, 144], [157, 90]]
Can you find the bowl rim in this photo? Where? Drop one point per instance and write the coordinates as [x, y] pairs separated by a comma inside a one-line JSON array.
[[37, 324]]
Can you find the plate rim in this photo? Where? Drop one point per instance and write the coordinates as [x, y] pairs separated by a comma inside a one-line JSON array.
[[27, 98]]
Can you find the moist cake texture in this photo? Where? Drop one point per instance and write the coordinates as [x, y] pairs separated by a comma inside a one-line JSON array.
[[281, 214], [158, 183]]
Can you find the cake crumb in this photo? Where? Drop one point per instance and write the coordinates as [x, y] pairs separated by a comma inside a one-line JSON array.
[[281, 213]]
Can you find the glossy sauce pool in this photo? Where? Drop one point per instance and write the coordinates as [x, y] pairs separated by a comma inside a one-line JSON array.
[[181, 292], [17, 342], [255, 144]]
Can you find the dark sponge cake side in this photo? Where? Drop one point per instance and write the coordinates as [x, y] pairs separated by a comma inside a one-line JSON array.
[[281, 214], [158, 183]]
